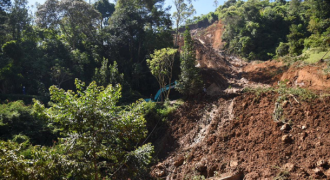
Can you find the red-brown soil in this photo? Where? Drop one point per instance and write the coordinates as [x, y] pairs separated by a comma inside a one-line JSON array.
[[250, 141], [267, 72], [227, 131], [310, 76]]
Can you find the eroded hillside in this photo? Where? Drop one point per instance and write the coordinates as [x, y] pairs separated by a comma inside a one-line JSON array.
[[278, 129]]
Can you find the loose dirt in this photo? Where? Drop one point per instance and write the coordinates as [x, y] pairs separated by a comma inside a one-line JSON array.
[[240, 134], [228, 132]]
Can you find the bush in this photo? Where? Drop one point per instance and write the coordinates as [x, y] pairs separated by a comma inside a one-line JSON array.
[[282, 49], [27, 99], [16, 119]]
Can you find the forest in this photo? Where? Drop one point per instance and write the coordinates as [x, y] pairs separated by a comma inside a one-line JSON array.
[[73, 75]]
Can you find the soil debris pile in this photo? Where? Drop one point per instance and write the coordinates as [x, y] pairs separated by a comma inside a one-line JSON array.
[[240, 135], [261, 134]]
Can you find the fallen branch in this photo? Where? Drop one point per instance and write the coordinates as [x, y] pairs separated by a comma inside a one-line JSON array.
[[295, 98]]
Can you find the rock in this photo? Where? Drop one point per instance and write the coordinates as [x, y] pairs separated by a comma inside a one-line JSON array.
[[303, 127], [252, 176], [160, 173], [233, 164], [231, 176], [327, 173], [285, 104], [213, 90], [211, 140], [279, 123], [160, 165], [200, 167], [244, 105], [311, 165], [179, 161], [318, 171], [319, 143], [212, 170], [321, 163], [287, 139], [288, 167], [285, 127]]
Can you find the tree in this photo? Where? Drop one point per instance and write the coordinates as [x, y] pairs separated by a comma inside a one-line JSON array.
[[60, 74], [216, 4], [135, 30], [106, 9], [4, 6], [182, 13], [190, 81], [106, 75], [161, 66], [77, 19], [98, 133], [18, 18]]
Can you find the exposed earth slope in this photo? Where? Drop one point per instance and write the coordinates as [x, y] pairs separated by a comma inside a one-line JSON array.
[[274, 131]]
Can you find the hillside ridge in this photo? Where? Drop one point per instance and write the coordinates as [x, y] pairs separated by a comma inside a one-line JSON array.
[[232, 133]]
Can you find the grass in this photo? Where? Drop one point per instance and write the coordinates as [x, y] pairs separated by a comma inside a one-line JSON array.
[[162, 110], [282, 90], [259, 90], [315, 54], [169, 107]]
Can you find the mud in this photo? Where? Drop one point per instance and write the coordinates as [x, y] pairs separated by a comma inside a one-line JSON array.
[[239, 134], [227, 132]]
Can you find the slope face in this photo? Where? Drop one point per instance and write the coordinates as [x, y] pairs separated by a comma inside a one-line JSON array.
[[239, 134], [227, 132]]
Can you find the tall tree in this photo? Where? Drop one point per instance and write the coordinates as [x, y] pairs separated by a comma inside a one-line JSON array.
[[18, 18], [216, 4], [76, 19], [106, 9], [183, 12], [190, 81], [4, 6], [135, 30]]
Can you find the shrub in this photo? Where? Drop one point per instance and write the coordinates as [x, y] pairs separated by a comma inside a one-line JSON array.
[[282, 49], [16, 121]]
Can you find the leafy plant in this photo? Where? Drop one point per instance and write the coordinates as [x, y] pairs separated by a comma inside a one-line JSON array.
[[97, 133], [161, 67], [18, 122], [190, 81]]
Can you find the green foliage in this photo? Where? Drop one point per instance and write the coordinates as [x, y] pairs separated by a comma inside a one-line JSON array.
[[161, 67], [326, 69], [17, 121], [314, 55], [34, 162], [296, 39], [253, 28], [284, 91], [12, 50], [303, 94], [282, 49], [108, 74], [207, 18], [95, 128], [190, 81], [18, 18], [106, 9], [261, 29]]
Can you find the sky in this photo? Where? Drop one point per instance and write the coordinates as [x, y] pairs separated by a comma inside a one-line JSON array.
[[201, 6]]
